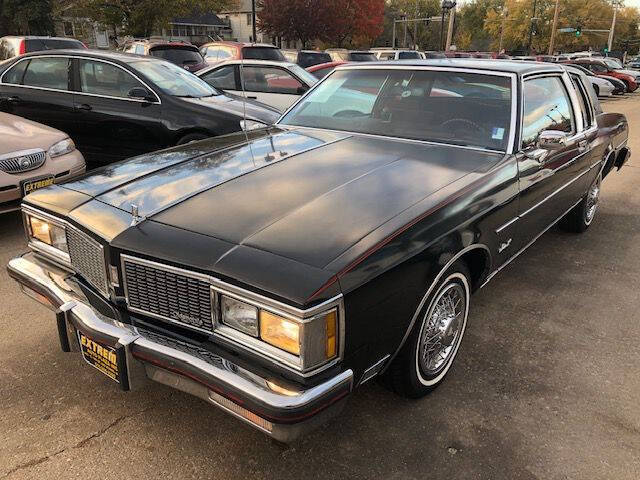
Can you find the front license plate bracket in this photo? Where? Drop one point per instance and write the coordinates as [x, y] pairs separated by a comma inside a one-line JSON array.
[[111, 361]]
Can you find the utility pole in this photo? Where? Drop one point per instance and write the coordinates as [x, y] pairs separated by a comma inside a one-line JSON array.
[[253, 19], [553, 29], [616, 4], [404, 41], [533, 19], [452, 17], [415, 30], [505, 12]]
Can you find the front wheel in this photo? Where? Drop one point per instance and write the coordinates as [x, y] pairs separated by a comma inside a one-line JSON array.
[[581, 217], [430, 349]]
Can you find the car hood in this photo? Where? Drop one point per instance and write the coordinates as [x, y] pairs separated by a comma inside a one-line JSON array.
[[238, 106], [287, 203], [18, 134], [631, 73]]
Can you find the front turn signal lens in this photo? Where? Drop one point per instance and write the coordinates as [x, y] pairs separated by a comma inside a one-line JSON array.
[[331, 320], [280, 332]]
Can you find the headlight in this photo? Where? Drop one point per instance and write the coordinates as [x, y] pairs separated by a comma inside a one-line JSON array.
[[304, 343], [62, 148], [247, 125], [47, 232], [239, 315]]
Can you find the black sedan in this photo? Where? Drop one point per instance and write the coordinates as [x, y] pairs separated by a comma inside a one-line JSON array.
[[115, 105], [273, 276]]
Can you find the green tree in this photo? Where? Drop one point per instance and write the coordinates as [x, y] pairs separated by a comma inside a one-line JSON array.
[[26, 17], [143, 17]]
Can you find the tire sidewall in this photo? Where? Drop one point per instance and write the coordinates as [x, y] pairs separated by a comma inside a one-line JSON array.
[[420, 382]]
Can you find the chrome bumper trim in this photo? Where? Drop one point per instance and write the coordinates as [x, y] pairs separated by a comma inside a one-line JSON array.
[[289, 408]]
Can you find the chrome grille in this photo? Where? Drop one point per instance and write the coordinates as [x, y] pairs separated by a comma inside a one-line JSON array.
[[20, 162], [87, 258], [168, 293]]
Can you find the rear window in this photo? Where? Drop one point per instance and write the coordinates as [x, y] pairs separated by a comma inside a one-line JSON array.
[[263, 53], [39, 44], [307, 59], [408, 55], [362, 57], [178, 55]]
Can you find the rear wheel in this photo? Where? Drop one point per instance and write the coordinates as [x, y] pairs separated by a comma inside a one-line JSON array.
[[430, 349], [581, 217]]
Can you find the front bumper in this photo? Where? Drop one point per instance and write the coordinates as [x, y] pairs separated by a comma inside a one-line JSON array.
[[282, 409]]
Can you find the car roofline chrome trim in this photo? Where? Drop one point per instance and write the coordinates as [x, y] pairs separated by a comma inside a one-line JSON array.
[[479, 71], [457, 256], [159, 101]]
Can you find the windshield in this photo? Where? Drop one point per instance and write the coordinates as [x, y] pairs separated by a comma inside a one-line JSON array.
[[612, 64], [173, 80], [470, 109], [301, 73], [362, 57], [178, 55], [263, 53], [307, 59]]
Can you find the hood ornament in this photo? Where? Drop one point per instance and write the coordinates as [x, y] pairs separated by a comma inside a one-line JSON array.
[[136, 216]]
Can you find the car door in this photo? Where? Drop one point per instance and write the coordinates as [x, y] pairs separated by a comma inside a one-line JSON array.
[[37, 88], [548, 173], [115, 120], [272, 85]]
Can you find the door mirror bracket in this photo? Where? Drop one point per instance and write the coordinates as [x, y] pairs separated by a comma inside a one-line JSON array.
[[139, 93]]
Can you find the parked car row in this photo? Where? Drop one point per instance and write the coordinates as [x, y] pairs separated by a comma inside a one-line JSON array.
[[273, 274], [116, 105]]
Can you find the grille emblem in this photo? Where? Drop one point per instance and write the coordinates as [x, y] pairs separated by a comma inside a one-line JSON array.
[[181, 317], [24, 162]]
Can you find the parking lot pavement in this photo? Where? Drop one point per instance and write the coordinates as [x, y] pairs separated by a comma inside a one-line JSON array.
[[546, 385]]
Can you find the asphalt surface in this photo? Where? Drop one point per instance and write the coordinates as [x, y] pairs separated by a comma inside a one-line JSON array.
[[546, 384]]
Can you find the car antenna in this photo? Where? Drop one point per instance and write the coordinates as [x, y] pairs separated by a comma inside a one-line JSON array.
[[244, 111]]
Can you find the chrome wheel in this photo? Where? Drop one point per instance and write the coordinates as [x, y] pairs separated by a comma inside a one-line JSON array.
[[442, 329], [591, 206]]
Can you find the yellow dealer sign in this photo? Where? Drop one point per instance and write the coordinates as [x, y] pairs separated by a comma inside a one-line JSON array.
[[99, 356]]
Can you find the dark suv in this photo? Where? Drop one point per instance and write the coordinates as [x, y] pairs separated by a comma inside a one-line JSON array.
[[13, 46], [182, 54]]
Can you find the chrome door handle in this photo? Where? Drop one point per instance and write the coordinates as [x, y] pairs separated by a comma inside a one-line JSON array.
[[582, 145], [83, 107], [13, 99]]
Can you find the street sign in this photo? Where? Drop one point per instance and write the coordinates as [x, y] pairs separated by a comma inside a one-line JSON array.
[[566, 30]]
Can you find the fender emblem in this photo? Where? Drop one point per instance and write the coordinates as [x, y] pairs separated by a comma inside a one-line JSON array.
[[504, 245]]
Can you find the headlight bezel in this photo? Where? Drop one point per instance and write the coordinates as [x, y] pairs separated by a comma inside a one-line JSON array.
[[46, 249], [311, 322], [64, 147]]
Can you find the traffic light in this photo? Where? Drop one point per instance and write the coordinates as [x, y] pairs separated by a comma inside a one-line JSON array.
[[578, 30]]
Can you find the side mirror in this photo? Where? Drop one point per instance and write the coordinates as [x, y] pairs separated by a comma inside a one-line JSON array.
[[552, 140], [140, 93]]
